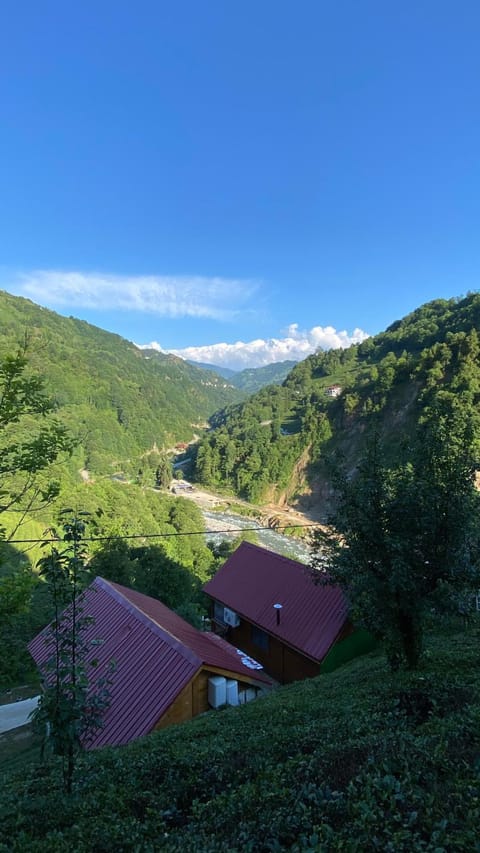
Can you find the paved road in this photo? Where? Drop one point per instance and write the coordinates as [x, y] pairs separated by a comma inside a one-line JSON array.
[[16, 713]]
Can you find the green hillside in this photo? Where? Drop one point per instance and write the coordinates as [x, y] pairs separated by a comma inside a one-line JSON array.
[[279, 443], [251, 379], [356, 760], [120, 401]]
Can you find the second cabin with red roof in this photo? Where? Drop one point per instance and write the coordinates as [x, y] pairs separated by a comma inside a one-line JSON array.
[[270, 606]]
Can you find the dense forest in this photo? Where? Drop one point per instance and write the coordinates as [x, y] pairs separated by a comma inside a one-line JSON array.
[[280, 442], [125, 405]]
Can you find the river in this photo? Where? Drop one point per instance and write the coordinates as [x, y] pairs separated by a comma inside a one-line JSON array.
[[227, 526]]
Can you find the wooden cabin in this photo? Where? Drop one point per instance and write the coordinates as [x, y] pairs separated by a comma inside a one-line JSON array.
[[270, 606], [166, 671]]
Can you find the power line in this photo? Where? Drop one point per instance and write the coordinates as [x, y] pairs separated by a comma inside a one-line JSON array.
[[159, 535]]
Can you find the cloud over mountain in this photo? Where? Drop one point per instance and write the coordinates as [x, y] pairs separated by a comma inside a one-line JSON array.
[[296, 345]]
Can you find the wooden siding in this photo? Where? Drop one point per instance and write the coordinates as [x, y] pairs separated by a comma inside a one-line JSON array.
[[193, 699], [296, 667], [280, 661], [179, 711], [200, 693]]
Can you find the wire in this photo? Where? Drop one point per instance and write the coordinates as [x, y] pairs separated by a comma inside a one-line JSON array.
[[159, 535]]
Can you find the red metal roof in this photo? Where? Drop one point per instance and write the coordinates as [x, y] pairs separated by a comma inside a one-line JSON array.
[[202, 644], [156, 654], [252, 580]]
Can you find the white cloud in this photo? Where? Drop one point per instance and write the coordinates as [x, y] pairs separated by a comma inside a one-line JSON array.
[[165, 296], [295, 346]]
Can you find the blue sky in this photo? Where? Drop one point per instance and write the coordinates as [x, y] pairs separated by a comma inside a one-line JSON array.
[[248, 180]]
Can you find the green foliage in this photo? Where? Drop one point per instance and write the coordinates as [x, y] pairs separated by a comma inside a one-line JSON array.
[[171, 564], [16, 589], [163, 473], [352, 761], [250, 448], [252, 379], [148, 570], [31, 438], [404, 541]]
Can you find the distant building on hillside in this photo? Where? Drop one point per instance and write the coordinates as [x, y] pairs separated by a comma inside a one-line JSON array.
[[333, 390]]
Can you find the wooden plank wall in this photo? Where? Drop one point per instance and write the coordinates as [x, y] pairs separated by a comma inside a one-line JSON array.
[[193, 699], [280, 661], [180, 710]]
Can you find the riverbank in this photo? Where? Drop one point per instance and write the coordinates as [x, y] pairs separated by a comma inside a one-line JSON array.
[[269, 515], [284, 531]]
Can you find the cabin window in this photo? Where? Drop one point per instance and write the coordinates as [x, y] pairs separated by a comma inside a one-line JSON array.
[[259, 638], [218, 612]]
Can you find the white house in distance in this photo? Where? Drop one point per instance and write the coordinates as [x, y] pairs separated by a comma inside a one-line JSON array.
[[333, 390]]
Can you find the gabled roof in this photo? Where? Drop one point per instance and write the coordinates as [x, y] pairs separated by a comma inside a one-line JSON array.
[[252, 580], [156, 654]]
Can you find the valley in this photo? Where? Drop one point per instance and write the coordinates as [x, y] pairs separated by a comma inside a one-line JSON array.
[[163, 528]]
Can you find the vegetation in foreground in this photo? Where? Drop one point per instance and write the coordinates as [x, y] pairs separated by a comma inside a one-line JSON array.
[[361, 759], [404, 545]]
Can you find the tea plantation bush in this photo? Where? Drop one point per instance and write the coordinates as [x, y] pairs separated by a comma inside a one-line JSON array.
[[357, 760]]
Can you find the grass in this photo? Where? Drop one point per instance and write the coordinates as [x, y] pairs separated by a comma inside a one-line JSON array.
[[19, 749], [356, 760]]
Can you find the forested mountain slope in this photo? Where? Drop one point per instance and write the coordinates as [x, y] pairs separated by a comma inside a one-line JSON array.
[[122, 402], [251, 379], [279, 443]]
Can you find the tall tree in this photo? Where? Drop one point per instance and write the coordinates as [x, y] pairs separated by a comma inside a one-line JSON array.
[[404, 542], [71, 705], [163, 473]]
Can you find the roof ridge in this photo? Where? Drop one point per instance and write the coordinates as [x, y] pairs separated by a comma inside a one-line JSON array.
[[272, 554], [112, 589]]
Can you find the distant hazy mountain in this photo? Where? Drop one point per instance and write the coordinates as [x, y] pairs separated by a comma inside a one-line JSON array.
[[251, 379], [215, 368]]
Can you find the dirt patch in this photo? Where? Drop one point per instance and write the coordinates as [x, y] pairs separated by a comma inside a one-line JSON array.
[[270, 514]]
